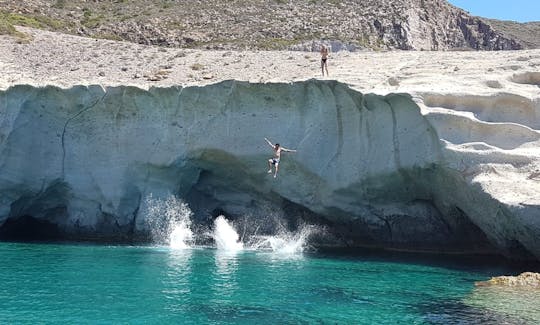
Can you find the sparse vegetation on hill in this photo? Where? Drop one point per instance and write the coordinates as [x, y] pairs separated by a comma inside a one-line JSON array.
[[34, 20], [7, 26], [271, 24]]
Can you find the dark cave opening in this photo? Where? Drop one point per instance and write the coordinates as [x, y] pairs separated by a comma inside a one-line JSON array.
[[29, 229]]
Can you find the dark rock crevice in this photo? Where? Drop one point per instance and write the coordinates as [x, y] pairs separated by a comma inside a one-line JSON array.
[[67, 123]]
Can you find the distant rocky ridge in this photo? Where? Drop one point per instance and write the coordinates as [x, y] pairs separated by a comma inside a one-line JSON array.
[[527, 33], [273, 24]]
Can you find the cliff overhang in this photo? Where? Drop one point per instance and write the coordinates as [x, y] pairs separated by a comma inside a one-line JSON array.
[[379, 171]]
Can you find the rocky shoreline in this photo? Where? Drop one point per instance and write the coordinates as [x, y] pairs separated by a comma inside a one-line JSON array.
[[424, 150]]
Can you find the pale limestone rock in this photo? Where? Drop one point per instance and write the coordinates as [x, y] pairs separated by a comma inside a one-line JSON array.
[[378, 169], [525, 279], [510, 299]]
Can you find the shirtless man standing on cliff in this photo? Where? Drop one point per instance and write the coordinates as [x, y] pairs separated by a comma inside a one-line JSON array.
[[277, 155], [324, 58]]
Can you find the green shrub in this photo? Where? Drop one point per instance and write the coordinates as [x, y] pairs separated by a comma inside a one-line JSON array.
[[29, 20], [7, 28]]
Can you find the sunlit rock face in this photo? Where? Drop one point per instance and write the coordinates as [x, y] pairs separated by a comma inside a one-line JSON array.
[[378, 171], [525, 279]]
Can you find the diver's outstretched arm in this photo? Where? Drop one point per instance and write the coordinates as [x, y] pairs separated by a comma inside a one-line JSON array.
[[287, 150], [269, 143]]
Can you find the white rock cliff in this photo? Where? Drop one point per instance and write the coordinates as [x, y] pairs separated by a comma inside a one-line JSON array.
[[434, 172]]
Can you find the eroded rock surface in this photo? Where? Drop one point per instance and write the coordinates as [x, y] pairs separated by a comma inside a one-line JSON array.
[[525, 279], [377, 170]]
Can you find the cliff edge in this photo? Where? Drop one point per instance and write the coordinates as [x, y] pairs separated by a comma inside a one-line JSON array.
[[406, 150], [373, 168]]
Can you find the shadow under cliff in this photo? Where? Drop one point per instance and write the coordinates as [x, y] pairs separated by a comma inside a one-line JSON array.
[[371, 170]]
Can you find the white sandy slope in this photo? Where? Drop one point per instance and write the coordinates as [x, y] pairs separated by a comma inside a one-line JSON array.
[[485, 106], [65, 60]]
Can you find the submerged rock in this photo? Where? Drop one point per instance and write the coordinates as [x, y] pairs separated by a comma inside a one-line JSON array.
[[510, 300]]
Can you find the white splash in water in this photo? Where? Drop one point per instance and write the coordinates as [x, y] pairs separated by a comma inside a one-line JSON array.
[[285, 242], [181, 236], [169, 221], [226, 236]]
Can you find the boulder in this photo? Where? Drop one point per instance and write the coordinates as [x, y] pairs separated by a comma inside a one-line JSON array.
[[525, 279]]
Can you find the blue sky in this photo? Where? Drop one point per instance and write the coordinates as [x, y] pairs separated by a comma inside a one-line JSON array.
[[518, 10]]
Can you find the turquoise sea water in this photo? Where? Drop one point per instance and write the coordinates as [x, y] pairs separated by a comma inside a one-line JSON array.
[[84, 284]]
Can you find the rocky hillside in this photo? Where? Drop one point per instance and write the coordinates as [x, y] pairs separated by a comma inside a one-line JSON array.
[[528, 34], [267, 24]]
